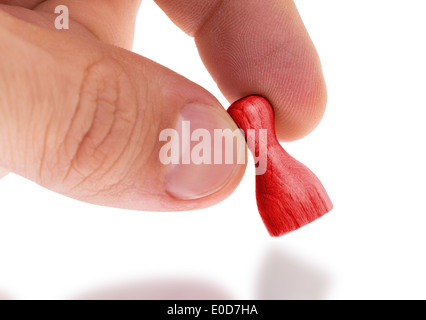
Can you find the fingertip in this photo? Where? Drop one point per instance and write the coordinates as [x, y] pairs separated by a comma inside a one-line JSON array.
[[177, 204], [204, 156], [300, 109], [3, 173], [276, 59], [252, 47], [294, 86]]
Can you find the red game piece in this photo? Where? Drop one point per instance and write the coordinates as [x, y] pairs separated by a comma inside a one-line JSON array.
[[288, 194]]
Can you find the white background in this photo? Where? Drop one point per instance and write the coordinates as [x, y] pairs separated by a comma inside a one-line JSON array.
[[369, 152]]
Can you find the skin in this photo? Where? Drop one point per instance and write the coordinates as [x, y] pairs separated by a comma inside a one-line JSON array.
[[94, 137]]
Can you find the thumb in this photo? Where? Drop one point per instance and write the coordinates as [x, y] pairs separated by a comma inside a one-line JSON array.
[[87, 120]]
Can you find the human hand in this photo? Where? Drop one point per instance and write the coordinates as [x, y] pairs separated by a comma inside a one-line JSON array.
[[81, 115]]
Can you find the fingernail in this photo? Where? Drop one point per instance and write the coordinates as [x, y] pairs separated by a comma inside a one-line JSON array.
[[202, 166]]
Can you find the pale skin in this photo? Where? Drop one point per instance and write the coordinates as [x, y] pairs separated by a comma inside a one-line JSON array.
[[80, 114]]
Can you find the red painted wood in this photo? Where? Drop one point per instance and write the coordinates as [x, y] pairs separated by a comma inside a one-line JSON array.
[[288, 194]]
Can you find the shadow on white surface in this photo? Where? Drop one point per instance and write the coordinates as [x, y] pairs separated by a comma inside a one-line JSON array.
[[172, 289], [282, 276], [286, 277], [4, 297]]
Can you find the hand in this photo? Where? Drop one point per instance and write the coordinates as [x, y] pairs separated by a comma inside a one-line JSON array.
[[81, 115]]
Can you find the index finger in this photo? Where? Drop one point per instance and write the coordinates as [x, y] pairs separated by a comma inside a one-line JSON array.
[[258, 47]]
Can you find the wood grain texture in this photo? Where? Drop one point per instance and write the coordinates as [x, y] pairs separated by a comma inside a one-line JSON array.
[[288, 194]]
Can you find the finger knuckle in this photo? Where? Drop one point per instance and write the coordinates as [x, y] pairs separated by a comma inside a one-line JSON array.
[[101, 129]]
